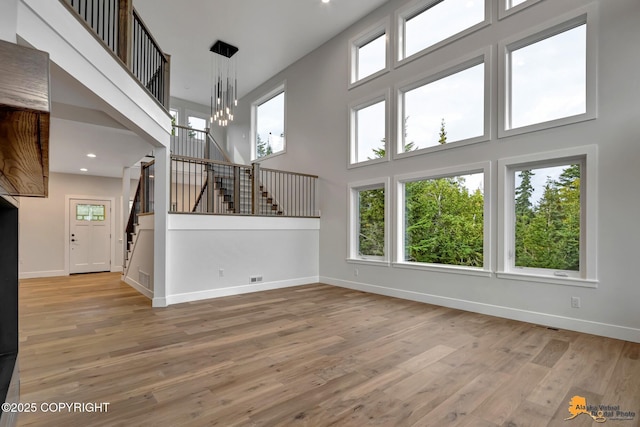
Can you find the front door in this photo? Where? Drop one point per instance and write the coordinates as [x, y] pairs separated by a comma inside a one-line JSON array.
[[89, 236]]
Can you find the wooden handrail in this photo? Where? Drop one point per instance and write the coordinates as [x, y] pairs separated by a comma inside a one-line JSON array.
[[151, 71]]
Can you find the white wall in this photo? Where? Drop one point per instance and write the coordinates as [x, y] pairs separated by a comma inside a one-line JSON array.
[[284, 251], [42, 223], [186, 108], [139, 270], [317, 132], [8, 19]]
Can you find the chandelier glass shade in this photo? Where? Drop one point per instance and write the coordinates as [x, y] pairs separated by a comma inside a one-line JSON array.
[[224, 83]]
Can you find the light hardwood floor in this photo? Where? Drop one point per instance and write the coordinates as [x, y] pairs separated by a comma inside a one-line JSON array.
[[307, 356]]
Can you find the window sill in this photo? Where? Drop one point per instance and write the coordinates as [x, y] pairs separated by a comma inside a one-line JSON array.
[[368, 78], [269, 156], [470, 271], [368, 162], [567, 281], [378, 262]]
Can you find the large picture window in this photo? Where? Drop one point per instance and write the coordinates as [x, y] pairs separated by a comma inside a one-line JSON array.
[[269, 124], [547, 205], [444, 108], [445, 219]]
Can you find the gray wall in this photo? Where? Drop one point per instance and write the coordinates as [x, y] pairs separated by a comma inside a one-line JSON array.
[[317, 143], [42, 222]]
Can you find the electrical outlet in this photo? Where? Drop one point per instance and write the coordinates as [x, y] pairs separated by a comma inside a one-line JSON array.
[[255, 279], [221, 272], [575, 302], [355, 272]]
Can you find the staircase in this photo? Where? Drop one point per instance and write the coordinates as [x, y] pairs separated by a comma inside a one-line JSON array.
[[232, 193]]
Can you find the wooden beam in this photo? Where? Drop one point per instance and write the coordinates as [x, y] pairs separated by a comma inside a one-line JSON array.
[[24, 120]]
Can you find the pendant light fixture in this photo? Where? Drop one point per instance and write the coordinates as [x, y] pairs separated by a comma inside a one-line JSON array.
[[224, 83]]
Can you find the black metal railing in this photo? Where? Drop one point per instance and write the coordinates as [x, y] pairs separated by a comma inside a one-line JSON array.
[[148, 62], [103, 18], [123, 32], [221, 188], [189, 142], [147, 188], [142, 204], [293, 193]]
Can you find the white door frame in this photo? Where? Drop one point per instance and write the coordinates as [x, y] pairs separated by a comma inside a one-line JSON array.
[[67, 200]]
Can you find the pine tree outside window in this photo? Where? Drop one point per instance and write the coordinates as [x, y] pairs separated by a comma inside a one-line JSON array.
[[549, 217], [268, 124]]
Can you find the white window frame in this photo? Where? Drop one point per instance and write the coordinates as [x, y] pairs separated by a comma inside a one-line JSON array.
[[587, 157], [482, 56], [277, 90], [585, 15], [383, 28], [353, 128], [487, 245], [353, 221], [505, 9], [416, 7]]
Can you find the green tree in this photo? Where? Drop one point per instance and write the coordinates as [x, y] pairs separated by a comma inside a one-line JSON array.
[[444, 222], [371, 222], [443, 133], [263, 148], [548, 236]]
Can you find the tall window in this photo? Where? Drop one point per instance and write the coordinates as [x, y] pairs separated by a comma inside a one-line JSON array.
[[197, 123], [369, 219], [549, 201], [369, 130], [371, 242], [430, 22], [269, 125], [444, 220], [443, 109], [547, 212]]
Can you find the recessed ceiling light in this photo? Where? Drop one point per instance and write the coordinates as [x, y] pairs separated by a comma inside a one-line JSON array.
[[93, 156], [84, 170], [326, 1]]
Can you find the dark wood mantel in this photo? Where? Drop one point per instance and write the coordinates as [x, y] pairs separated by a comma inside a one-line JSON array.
[[24, 120]]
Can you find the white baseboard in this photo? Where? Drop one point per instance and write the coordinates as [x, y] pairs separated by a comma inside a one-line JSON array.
[[235, 290], [116, 269], [38, 274], [560, 322], [138, 287]]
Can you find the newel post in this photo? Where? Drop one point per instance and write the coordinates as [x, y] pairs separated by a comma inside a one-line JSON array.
[[125, 39], [255, 189]]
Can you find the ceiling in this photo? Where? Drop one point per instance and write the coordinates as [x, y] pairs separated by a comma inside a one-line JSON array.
[[271, 35]]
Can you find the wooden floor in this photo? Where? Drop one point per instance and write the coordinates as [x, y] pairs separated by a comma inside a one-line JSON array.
[[308, 356]]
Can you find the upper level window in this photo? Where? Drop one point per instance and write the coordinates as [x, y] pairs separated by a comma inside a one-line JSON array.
[[548, 203], [368, 138], [197, 123], [548, 77], [444, 108], [269, 124], [369, 54], [508, 7], [429, 22]]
